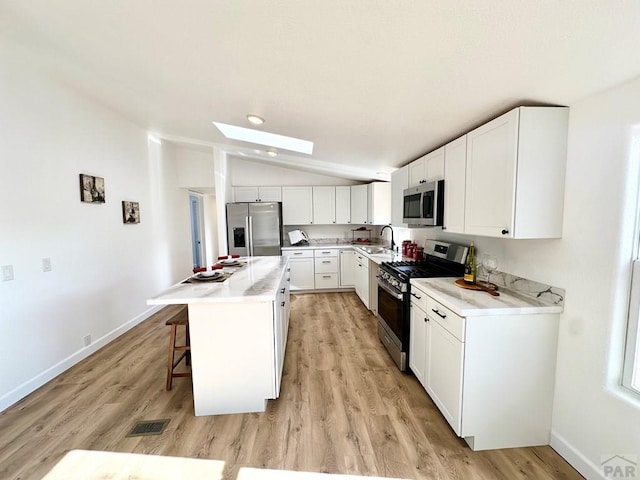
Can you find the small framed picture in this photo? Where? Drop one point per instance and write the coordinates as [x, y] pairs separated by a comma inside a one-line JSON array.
[[91, 189], [130, 212]]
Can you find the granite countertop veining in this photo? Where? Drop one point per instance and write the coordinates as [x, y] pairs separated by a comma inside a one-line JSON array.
[[360, 247], [256, 281], [472, 303]]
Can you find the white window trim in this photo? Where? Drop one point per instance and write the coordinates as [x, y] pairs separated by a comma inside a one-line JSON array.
[[631, 371]]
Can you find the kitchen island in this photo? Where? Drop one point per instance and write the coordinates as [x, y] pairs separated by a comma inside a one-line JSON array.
[[238, 334]]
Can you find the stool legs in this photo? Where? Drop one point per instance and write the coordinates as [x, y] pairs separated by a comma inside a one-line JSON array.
[[186, 353]]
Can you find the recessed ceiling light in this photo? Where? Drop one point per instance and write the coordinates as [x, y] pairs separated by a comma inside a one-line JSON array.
[[265, 138], [255, 119], [272, 153]]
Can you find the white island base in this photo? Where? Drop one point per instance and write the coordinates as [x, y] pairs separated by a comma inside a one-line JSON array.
[[238, 330], [232, 364]]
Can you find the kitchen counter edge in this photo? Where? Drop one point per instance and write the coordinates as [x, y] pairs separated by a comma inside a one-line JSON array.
[[475, 303]]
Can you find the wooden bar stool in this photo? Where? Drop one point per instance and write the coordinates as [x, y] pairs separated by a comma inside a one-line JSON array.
[[181, 319]]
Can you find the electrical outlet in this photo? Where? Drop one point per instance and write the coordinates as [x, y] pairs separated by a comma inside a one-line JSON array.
[[87, 340], [7, 273], [46, 264]]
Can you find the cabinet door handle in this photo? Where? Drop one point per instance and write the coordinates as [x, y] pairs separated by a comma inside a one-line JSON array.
[[326, 253], [417, 296], [283, 304], [438, 313], [283, 290], [426, 319], [326, 261], [297, 253], [326, 276], [505, 231]]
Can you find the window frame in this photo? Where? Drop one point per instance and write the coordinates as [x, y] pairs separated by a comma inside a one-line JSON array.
[[631, 368]]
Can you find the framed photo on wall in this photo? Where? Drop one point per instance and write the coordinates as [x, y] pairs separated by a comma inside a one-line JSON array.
[[130, 212], [91, 189]]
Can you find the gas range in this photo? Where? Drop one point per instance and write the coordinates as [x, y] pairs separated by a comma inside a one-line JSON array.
[[442, 260]]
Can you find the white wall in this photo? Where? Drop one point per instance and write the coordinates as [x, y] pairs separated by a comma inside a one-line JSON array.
[[103, 270], [254, 173], [594, 418]]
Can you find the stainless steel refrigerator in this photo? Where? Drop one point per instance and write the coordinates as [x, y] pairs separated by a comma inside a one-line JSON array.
[[254, 229]]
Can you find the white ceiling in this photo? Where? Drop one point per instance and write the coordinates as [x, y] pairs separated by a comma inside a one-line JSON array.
[[374, 83]]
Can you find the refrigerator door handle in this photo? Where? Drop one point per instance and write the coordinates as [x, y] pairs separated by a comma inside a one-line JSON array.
[[250, 230]]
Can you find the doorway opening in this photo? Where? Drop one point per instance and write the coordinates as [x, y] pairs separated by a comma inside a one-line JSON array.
[[197, 229]]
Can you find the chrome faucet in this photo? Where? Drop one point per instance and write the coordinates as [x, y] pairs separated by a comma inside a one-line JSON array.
[[393, 244]]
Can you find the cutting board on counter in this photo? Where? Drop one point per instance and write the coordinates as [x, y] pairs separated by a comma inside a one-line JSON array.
[[475, 286]]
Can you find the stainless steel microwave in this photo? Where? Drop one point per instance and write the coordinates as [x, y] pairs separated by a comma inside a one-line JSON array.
[[423, 206]]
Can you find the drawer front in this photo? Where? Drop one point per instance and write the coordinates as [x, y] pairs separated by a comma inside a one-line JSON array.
[[450, 321], [326, 252], [307, 253], [362, 259], [418, 297], [326, 280], [327, 265]]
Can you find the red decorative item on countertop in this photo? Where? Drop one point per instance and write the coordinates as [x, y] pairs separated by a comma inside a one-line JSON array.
[[223, 257], [235, 255], [216, 267], [199, 269]]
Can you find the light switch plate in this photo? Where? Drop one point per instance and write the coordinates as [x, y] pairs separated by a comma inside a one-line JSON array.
[[7, 273]]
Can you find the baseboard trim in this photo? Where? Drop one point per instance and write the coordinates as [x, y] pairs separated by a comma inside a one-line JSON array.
[[50, 373], [576, 459]]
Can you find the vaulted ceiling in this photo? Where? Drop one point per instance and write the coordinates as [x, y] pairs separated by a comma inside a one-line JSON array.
[[373, 83]]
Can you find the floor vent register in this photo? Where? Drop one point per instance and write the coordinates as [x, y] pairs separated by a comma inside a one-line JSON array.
[[148, 427]]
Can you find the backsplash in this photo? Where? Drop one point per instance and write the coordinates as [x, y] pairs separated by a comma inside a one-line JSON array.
[[527, 288], [336, 234]]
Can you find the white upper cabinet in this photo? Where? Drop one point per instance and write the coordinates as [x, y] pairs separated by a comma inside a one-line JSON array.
[[379, 203], [297, 205], [343, 205], [515, 174], [324, 205], [257, 194], [400, 182], [455, 164], [359, 204], [427, 168]]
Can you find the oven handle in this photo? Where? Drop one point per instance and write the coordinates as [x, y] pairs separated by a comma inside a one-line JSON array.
[[389, 291]]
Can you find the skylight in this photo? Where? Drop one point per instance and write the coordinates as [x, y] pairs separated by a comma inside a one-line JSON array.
[[265, 138]]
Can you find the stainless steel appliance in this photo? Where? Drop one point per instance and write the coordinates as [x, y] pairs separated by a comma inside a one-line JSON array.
[[254, 229], [394, 290], [423, 206]]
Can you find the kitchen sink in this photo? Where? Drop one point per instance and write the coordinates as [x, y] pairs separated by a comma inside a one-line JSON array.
[[377, 250]]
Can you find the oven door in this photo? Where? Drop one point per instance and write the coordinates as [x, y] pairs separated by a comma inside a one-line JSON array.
[[393, 324]]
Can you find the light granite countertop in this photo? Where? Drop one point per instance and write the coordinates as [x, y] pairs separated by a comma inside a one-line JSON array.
[[474, 303], [359, 247], [255, 281]]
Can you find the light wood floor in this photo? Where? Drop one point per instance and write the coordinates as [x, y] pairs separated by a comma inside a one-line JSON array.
[[344, 408]]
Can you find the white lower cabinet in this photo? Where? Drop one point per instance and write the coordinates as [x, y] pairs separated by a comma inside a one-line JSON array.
[[347, 268], [491, 376], [362, 278], [302, 269], [444, 368], [418, 343], [281, 312], [326, 268]]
